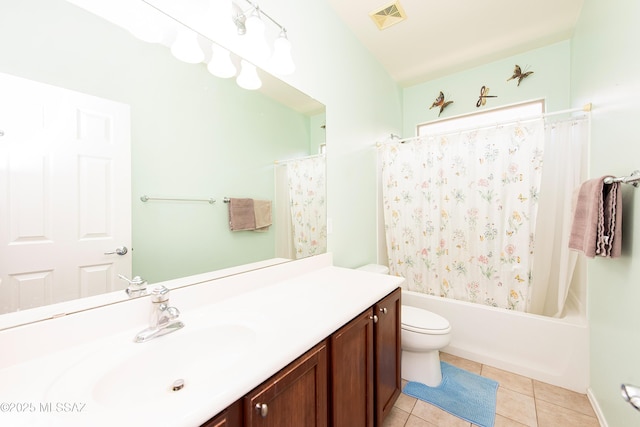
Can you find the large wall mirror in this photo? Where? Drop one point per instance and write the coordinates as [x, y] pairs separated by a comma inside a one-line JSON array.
[[192, 136]]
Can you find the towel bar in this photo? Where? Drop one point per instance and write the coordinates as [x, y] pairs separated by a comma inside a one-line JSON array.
[[146, 198], [631, 179]]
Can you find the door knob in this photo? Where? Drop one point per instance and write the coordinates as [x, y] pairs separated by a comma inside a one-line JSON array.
[[263, 409], [383, 310], [120, 251], [374, 318]]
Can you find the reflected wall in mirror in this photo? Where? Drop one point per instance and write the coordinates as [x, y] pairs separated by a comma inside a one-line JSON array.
[[192, 136]]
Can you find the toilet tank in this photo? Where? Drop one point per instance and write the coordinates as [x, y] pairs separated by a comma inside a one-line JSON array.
[[375, 268], [380, 269]]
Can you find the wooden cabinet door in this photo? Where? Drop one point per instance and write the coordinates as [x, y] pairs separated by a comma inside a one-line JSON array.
[[387, 354], [295, 397], [230, 417], [352, 373]]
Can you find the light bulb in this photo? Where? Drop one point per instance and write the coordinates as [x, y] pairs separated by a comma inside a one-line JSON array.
[[248, 77], [186, 47], [255, 41], [220, 64], [281, 61]]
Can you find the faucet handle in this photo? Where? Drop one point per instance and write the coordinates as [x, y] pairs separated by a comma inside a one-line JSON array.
[[173, 313], [137, 286], [136, 281], [160, 294]]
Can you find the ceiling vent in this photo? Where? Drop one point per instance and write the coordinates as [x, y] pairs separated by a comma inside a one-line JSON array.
[[389, 15]]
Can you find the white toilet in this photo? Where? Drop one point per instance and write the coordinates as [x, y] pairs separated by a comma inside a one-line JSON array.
[[423, 335]]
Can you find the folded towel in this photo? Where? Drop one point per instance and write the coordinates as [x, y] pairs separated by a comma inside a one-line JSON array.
[[262, 213], [597, 219], [241, 214], [613, 221]]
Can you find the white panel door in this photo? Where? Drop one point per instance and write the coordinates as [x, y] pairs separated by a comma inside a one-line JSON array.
[[65, 194]]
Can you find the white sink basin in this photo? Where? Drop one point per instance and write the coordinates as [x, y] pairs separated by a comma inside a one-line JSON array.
[[140, 374]]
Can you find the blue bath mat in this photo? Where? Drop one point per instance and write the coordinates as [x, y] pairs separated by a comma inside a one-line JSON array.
[[461, 393]]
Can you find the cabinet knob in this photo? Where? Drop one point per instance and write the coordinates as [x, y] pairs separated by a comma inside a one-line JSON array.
[[263, 409], [383, 310], [374, 318]]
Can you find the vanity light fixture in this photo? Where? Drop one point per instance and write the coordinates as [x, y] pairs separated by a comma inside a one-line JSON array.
[[254, 39], [250, 24], [220, 64], [281, 61], [248, 77]]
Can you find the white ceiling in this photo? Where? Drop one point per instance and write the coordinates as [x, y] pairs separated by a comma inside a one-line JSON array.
[[440, 37]]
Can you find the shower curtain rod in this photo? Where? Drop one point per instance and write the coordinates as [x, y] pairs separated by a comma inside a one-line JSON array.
[[586, 108], [313, 156]]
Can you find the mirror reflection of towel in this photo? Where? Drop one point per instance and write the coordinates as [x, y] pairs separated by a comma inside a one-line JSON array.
[[241, 214], [249, 214], [262, 212]]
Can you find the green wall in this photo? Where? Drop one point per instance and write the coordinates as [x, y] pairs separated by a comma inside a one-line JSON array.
[[549, 81], [603, 63], [193, 135]]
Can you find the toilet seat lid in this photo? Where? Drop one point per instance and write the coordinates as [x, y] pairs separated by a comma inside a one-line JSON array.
[[419, 319]]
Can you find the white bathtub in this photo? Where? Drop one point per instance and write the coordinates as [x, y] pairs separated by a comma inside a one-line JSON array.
[[551, 350]]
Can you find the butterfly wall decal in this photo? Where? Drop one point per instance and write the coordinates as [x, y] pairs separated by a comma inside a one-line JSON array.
[[518, 74], [440, 102]]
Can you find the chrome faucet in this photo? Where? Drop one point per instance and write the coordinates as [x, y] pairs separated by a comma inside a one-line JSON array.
[[163, 317], [137, 286]]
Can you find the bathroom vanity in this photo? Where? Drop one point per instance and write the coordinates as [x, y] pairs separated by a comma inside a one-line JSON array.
[[303, 341], [352, 378]]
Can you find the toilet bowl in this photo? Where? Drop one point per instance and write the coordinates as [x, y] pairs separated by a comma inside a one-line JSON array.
[[423, 335]]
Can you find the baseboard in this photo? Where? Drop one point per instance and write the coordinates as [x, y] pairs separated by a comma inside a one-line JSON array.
[[596, 408]]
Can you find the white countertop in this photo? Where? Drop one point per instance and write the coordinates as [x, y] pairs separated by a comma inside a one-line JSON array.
[[95, 381]]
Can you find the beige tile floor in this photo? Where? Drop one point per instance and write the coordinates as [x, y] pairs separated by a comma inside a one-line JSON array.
[[521, 401]]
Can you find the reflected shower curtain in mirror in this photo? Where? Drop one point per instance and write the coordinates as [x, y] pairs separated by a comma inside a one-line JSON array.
[[460, 211], [307, 193]]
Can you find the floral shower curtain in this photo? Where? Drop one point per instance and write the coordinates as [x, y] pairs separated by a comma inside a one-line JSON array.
[[307, 194], [460, 211]]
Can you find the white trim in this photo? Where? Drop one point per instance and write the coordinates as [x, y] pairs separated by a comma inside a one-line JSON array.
[[596, 408], [534, 102]]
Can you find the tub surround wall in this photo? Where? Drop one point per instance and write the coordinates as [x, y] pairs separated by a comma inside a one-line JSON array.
[[293, 305]]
